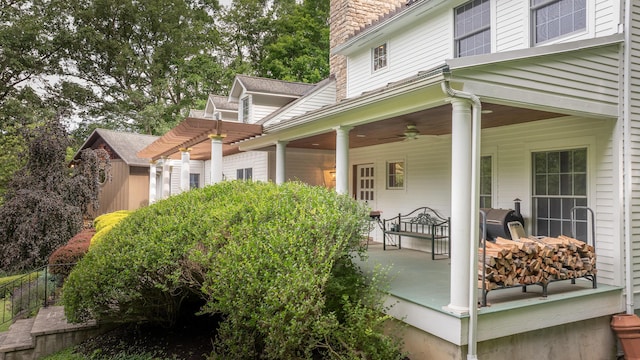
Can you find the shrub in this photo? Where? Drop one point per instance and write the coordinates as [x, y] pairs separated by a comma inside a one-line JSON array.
[[62, 259], [104, 223], [275, 261]]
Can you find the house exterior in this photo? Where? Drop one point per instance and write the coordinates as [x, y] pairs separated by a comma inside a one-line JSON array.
[[129, 185], [458, 105], [182, 158]]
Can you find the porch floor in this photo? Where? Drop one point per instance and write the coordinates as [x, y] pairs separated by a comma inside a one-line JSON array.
[[416, 278]]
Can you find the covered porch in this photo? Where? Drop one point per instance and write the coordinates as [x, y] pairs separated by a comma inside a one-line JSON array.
[[418, 295]]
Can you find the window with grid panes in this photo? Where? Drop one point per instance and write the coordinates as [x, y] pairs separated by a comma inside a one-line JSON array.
[[244, 174], [379, 57], [395, 175], [473, 28], [485, 181], [554, 18], [559, 184]]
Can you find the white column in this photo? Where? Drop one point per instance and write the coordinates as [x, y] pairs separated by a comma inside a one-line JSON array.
[[216, 158], [281, 155], [184, 169], [166, 178], [461, 183], [342, 159], [152, 182]]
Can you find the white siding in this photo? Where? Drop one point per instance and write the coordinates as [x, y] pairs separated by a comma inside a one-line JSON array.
[[634, 118], [195, 167], [256, 160], [322, 97], [428, 41], [512, 25], [428, 168]]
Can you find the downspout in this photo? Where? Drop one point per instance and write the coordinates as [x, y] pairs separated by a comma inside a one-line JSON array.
[[476, 113], [627, 160]]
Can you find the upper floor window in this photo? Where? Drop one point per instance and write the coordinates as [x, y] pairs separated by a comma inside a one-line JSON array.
[[244, 107], [554, 18], [379, 57], [473, 28]]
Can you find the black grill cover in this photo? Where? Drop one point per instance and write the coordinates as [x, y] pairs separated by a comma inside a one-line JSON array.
[[497, 220]]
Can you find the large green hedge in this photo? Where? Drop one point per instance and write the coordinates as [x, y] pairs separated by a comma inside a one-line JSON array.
[[274, 261]]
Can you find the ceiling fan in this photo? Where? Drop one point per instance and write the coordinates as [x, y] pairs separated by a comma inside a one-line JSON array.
[[411, 132]]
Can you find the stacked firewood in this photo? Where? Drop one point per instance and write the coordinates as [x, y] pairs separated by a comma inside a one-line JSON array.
[[534, 261]]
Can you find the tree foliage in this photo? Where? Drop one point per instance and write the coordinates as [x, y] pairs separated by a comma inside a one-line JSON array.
[[274, 261], [44, 204]]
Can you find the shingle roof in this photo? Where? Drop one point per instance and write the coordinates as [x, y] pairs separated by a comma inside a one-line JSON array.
[[126, 145], [264, 85], [222, 102]]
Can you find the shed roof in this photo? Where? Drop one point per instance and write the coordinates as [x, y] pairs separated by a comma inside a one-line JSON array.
[[124, 144]]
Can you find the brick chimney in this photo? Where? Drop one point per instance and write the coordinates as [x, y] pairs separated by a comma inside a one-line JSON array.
[[346, 18]]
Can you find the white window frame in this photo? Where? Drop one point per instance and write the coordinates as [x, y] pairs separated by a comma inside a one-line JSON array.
[[588, 142], [245, 118], [241, 173], [482, 29], [570, 36], [388, 175], [375, 57]]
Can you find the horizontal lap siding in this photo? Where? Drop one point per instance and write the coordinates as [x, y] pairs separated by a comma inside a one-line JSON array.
[[325, 96], [428, 167], [257, 160], [414, 49], [511, 31], [634, 117]]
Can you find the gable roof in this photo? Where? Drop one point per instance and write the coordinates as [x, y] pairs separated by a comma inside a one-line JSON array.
[[294, 104], [259, 85], [125, 145]]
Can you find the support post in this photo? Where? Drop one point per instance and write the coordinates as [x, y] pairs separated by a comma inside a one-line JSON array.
[[281, 155], [342, 159], [185, 169], [152, 181], [461, 182], [216, 157], [166, 178]]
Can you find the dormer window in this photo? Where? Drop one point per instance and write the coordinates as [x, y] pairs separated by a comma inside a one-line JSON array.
[[245, 109], [379, 57], [473, 28], [555, 18]]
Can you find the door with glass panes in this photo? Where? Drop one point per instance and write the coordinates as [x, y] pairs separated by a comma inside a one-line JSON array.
[[365, 184]]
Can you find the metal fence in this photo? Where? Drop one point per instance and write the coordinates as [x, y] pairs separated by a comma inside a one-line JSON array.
[[23, 296]]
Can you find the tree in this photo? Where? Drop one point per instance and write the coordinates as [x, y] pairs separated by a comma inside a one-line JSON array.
[[44, 202], [143, 63], [285, 40]]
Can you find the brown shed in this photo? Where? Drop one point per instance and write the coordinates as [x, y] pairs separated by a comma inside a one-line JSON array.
[[129, 185]]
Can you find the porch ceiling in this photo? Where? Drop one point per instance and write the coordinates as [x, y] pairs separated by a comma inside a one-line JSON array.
[[433, 121], [194, 133]]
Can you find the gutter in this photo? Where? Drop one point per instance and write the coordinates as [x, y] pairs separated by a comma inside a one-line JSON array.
[[627, 160], [476, 109]]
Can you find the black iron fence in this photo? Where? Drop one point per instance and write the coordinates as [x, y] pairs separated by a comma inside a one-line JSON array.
[[22, 296]]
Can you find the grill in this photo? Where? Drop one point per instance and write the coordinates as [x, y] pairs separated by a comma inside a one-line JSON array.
[[498, 220]]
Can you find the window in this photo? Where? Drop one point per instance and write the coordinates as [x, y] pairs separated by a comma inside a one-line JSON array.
[[554, 18], [379, 56], [244, 106], [194, 181], [395, 175], [559, 184], [244, 174], [473, 28], [485, 182]]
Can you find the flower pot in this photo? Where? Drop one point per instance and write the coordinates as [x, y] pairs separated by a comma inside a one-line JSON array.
[[627, 329]]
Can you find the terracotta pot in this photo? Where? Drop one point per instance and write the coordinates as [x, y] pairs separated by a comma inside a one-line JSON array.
[[627, 328]]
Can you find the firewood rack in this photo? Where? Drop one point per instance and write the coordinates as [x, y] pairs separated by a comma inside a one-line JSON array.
[[590, 217]]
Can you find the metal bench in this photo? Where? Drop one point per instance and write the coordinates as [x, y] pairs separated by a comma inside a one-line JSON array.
[[421, 223]]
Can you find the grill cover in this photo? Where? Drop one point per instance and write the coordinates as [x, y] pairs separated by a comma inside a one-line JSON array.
[[497, 220]]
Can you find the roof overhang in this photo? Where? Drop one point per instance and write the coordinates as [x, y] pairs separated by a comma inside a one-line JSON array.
[[194, 134]]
